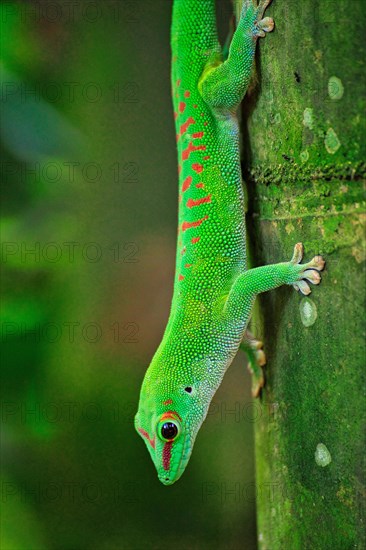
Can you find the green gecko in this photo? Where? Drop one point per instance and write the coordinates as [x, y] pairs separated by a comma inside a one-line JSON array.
[[213, 290]]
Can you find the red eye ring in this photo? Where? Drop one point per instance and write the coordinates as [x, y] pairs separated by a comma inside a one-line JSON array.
[[169, 427]]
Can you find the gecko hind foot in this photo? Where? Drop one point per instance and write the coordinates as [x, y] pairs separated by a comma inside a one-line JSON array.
[[263, 24], [308, 272], [256, 360]]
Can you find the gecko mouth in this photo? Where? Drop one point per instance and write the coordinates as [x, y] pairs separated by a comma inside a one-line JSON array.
[[170, 469]]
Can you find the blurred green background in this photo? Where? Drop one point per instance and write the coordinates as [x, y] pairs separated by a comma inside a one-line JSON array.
[[88, 226]]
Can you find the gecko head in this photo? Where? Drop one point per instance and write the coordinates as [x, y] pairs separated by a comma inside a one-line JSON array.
[[169, 416]]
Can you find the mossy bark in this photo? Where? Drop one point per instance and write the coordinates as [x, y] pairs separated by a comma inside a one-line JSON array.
[[304, 147]]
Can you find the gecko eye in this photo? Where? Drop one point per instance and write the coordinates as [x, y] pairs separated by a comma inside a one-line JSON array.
[[169, 430]]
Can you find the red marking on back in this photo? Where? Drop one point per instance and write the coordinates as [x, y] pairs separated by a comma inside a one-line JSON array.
[[179, 168], [175, 115], [200, 185], [197, 167], [195, 240], [184, 126], [167, 453], [188, 265], [191, 148], [146, 435], [168, 402], [180, 277], [177, 136], [205, 123], [203, 200], [182, 106], [183, 251], [187, 182], [195, 106], [187, 93], [198, 135], [206, 158], [188, 225], [178, 82]]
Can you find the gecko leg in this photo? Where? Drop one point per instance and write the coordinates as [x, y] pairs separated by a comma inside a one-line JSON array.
[[261, 279], [256, 360], [226, 46], [224, 85]]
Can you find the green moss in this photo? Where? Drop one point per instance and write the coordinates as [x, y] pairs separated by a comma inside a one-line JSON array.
[[315, 387], [306, 176], [307, 77]]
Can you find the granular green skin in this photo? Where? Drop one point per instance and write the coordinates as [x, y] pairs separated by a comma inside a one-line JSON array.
[[199, 342], [213, 291]]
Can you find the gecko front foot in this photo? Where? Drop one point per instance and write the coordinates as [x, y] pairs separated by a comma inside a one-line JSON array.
[[263, 24], [256, 360], [306, 272], [260, 24]]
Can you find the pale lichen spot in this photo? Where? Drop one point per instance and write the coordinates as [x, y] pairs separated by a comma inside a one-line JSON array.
[[308, 312], [335, 88], [332, 143], [269, 96], [308, 118], [359, 253], [304, 155], [277, 118], [289, 228], [322, 455]]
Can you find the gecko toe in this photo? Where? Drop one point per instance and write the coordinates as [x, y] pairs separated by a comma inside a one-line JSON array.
[[317, 263], [298, 253], [303, 287], [312, 275], [266, 24]]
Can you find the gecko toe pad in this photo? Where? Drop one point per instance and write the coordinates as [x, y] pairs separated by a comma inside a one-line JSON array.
[[317, 263], [298, 253], [266, 24], [303, 287]]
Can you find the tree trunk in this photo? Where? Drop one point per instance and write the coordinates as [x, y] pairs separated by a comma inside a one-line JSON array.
[[303, 150]]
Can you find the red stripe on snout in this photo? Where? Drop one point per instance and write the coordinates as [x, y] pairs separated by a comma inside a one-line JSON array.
[[167, 454]]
